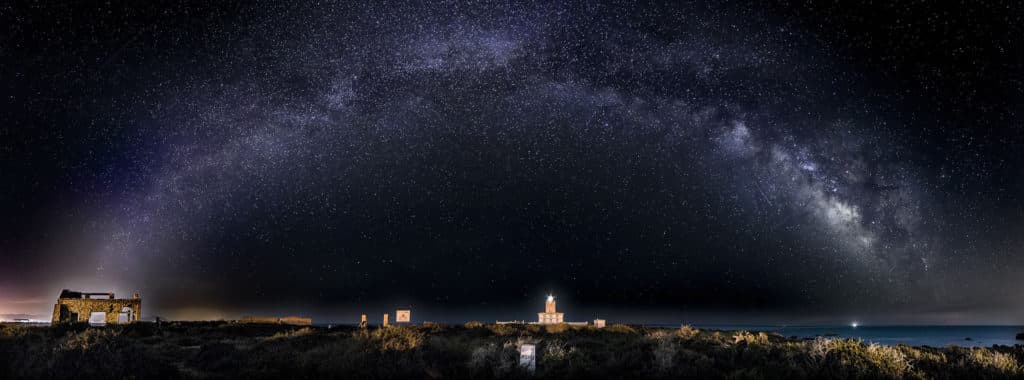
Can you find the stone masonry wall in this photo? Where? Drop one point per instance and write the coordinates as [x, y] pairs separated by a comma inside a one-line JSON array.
[[78, 309]]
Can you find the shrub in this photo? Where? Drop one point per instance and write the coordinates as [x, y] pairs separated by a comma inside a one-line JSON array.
[[12, 331], [90, 339], [988, 363], [503, 329], [889, 361], [659, 334], [398, 338], [744, 337], [494, 360], [555, 350], [219, 357], [620, 328], [818, 348], [687, 332], [474, 324], [557, 328], [305, 331], [484, 357], [104, 352], [848, 358], [664, 350], [552, 360], [693, 363]]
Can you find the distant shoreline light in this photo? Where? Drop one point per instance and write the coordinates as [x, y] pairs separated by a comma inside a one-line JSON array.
[[19, 320], [854, 324]]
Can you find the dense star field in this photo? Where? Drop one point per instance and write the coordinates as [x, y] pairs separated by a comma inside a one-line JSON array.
[[654, 163]]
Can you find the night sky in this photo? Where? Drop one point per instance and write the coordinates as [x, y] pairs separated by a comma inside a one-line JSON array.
[[716, 162]]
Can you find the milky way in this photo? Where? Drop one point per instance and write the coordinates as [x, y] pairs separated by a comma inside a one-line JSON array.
[[692, 158]]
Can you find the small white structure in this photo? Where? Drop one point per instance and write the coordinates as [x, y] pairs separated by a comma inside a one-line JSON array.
[[599, 323], [528, 357], [550, 315], [402, 316]]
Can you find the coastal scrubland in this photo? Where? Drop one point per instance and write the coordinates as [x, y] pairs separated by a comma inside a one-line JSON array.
[[225, 350]]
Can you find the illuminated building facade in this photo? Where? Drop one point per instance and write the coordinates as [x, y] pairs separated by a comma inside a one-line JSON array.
[[550, 315]]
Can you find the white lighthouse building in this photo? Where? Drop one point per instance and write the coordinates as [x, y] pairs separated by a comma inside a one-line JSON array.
[[550, 315]]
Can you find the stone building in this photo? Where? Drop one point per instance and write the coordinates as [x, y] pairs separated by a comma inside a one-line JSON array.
[[550, 315], [75, 306]]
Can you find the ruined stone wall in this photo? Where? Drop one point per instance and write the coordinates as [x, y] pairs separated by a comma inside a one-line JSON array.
[[263, 320], [291, 320], [297, 321], [79, 309]]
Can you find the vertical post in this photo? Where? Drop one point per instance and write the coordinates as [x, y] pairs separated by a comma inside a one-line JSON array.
[[362, 322], [385, 320]]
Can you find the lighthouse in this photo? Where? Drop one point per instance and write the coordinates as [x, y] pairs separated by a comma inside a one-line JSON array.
[[550, 315]]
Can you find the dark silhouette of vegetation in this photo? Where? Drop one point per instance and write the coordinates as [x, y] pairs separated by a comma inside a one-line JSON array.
[[222, 350]]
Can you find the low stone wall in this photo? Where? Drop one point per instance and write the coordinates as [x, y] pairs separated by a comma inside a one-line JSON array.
[[296, 321], [263, 320]]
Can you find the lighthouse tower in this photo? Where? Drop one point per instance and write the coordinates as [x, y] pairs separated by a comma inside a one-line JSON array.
[[550, 315]]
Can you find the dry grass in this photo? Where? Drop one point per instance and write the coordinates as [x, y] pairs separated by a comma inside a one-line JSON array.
[[305, 331]]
